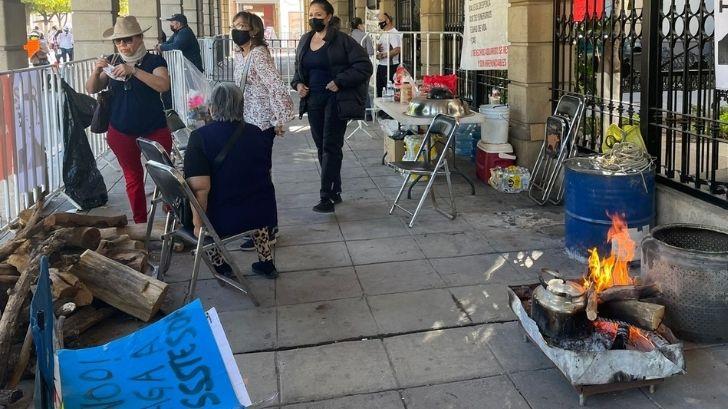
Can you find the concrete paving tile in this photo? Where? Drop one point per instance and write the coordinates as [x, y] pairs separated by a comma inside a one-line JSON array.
[[516, 218], [413, 311], [512, 351], [358, 183], [289, 177], [484, 303], [441, 356], [180, 268], [328, 371], [431, 221], [250, 330], [384, 250], [362, 210], [522, 240], [374, 229], [495, 392], [478, 269], [312, 257], [452, 244], [362, 195], [325, 321], [213, 293], [309, 234], [259, 374], [318, 285], [300, 200], [375, 168], [397, 277], [302, 215], [532, 261], [704, 385], [548, 389], [393, 179], [381, 400]]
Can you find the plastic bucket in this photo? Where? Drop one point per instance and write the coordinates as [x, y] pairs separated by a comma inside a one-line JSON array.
[[591, 196], [495, 128]]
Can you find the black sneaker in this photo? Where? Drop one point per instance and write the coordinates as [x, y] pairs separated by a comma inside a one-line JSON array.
[[265, 268], [336, 198], [225, 270], [324, 206], [249, 245]]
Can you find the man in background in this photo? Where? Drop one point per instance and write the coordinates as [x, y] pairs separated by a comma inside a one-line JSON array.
[[65, 42], [388, 50], [183, 39]]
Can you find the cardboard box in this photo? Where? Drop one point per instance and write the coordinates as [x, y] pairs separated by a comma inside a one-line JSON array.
[[394, 149]]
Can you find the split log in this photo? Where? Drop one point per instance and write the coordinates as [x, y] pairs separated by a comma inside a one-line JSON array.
[[627, 292], [31, 227], [57, 220], [22, 360], [8, 270], [67, 287], [135, 231], [642, 314], [83, 319], [9, 280], [120, 286], [21, 257], [10, 396], [591, 304], [136, 259], [19, 294]]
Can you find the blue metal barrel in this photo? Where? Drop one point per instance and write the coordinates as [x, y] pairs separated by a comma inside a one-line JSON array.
[[591, 196]]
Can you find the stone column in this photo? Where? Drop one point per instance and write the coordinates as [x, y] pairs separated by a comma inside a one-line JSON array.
[[146, 13], [90, 19], [12, 35], [529, 69], [432, 20], [189, 9]]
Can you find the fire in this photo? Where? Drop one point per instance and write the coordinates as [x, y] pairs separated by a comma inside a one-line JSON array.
[[612, 270]]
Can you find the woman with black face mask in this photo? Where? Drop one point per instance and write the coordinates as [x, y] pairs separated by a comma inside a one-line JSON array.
[[332, 72], [268, 104]]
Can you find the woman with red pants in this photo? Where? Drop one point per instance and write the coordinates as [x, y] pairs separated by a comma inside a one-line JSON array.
[[137, 80]]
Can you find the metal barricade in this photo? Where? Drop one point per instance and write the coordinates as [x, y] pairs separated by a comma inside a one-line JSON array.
[[422, 53], [179, 88]]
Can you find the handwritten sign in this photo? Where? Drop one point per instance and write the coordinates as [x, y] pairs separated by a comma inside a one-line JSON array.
[[721, 44], [174, 363], [485, 38]]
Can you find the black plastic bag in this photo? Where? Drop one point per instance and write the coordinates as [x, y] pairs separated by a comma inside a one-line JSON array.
[[81, 177]]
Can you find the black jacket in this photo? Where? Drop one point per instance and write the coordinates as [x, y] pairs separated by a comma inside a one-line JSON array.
[[350, 68], [185, 41]]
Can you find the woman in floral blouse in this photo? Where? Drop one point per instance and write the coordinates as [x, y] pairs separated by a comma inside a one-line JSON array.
[[268, 104]]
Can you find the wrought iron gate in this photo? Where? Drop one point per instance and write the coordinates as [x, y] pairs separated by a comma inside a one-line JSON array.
[[648, 63], [408, 19], [482, 83]]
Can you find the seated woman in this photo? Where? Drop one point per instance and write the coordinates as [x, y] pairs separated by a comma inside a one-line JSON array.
[[227, 166]]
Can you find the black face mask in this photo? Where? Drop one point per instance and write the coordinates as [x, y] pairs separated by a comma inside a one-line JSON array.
[[317, 24], [174, 30], [382, 24], [240, 37]]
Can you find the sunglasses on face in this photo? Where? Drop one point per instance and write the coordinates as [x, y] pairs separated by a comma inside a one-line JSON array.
[[125, 40]]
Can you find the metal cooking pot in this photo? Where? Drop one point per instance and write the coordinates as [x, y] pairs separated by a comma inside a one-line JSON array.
[[558, 306], [428, 108]]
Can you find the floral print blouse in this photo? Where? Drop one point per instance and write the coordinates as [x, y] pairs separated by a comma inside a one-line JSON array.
[[267, 101]]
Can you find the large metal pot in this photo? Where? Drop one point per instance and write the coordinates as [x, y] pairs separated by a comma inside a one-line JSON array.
[[428, 108], [558, 306], [689, 264]]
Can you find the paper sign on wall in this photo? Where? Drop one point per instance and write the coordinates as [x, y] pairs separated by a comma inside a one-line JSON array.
[[721, 44], [485, 38]]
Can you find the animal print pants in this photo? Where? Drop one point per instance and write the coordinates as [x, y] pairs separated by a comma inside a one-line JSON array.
[[261, 241]]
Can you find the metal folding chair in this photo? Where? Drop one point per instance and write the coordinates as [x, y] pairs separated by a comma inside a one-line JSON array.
[[180, 138], [153, 152], [176, 193], [559, 144], [424, 165]]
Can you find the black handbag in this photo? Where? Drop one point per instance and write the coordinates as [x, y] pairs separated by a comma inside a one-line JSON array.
[[102, 113]]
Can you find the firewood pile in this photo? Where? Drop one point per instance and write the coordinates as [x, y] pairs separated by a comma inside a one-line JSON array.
[[98, 267]]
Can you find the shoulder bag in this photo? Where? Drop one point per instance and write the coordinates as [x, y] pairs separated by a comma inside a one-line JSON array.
[[102, 113]]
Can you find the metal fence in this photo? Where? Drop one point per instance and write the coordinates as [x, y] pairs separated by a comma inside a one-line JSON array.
[[219, 55], [650, 65], [480, 84]]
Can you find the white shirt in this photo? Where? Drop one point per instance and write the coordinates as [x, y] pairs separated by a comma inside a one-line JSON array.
[[65, 40], [388, 42]]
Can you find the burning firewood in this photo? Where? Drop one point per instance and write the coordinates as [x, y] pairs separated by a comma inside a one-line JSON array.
[[642, 314], [627, 292], [591, 304]]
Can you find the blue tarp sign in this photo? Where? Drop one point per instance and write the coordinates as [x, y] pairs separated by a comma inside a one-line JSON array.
[[174, 363]]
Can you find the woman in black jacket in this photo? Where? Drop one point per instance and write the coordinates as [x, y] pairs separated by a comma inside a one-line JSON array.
[[332, 73]]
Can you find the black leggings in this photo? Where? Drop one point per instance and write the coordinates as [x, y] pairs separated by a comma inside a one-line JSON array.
[[327, 131]]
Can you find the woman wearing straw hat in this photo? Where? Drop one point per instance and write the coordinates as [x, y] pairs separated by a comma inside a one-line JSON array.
[[136, 81]]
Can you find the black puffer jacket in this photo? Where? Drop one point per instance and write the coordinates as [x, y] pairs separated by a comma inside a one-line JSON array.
[[350, 68]]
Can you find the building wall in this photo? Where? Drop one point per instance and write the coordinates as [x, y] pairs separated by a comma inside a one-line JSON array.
[[12, 35]]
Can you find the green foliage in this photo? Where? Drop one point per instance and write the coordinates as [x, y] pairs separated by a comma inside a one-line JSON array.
[[48, 8], [123, 7]]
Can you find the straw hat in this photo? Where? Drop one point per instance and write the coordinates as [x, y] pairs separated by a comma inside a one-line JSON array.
[[127, 26]]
